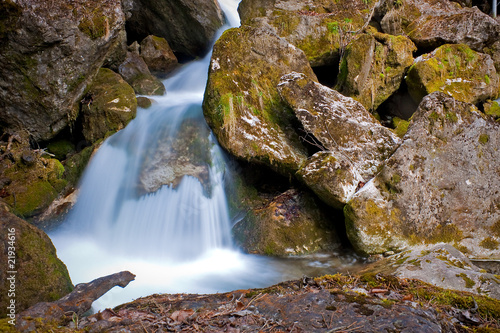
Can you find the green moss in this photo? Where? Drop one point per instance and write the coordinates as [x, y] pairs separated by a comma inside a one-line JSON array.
[[94, 24], [451, 116], [448, 233], [61, 148], [487, 79], [76, 163], [489, 243], [469, 283], [483, 139], [37, 195]]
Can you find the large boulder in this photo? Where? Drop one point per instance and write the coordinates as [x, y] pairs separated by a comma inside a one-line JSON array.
[[136, 72], [288, 224], [319, 28], [431, 23], [242, 104], [355, 143], [440, 185], [373, 67], [108, 106], [158, 55], [456, 70], [50, 51], [36, 274], [189, 26]]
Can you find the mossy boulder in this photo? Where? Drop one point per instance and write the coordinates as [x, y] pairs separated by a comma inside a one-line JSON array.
[[456, 70], [33, 181], [40, 276], [440, 185], [319, 28], [289, 224], [355, 143], [492, 108], [135, 71], [189, 26], [108, 106], [431, 23], [373, 67], [61, 148], [242, 104], [441, 265], [158, 55], [50, 52]]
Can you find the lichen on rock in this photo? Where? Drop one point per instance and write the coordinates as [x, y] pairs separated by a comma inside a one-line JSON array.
[[440, 185], [242, 104], [456, 70]]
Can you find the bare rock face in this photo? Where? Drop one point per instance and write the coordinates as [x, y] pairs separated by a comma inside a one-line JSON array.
[[355, 143], [373, 67], [432, 23], [289, 224], [158, 55], [50, 51], [456, 70], [40, 276], [189, 26], [242, 104], [319, 28], [440, 185], [109, 105], [136, 72]]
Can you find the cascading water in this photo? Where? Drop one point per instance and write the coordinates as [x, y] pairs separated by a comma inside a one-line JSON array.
[[175, 239]]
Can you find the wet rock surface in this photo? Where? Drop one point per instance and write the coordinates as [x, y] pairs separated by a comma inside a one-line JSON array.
[[440, 185], [50, 52]]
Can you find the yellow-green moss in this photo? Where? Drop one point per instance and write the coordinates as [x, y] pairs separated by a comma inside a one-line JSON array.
[[94, 24], [469, 283], [489, 243], [445, 233], [60, 148], [400, 126], [483, 139]]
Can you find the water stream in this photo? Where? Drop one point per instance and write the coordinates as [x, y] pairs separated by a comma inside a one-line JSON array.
[[176, 239]]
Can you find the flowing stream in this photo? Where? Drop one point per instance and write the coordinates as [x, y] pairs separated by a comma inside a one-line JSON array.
[[176, 239]]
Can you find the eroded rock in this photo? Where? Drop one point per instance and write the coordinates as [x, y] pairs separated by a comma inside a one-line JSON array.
[[242, 104], [355, 143], [50, 52], [456, 70], [108, 106], [440, 185]]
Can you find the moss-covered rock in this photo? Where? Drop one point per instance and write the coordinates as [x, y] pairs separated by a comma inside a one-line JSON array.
[[158, 55], [431, 23], [108, 106], [373, 67], [242, 104], [50, 52], [40, 276], [61, 148], [319, 28], [33, 181], [456, 70], [135, 71], [492, 108], [289, 224], [355, 143], [440, 185]]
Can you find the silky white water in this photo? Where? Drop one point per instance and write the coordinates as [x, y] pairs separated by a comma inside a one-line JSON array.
[[175, 239]]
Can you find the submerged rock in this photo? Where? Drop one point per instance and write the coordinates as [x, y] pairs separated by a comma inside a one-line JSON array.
[[319, 28], [456, 70], [189, 26], [355, 144], [135, 71], [108, 106], [50, 51], [40, 276], [373, 67], [432, 23], [440, 185], [158, 55], [242, 104], [289, 224]]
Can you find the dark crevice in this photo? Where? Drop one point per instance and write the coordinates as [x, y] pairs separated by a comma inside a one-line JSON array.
[[400, 105], [327, 75]]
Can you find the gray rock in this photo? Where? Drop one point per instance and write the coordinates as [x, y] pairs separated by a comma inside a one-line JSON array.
[[158, 56], [355, 142], [242, 104], [50, 52], [135, 71], [189, 26], [440, 185]]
